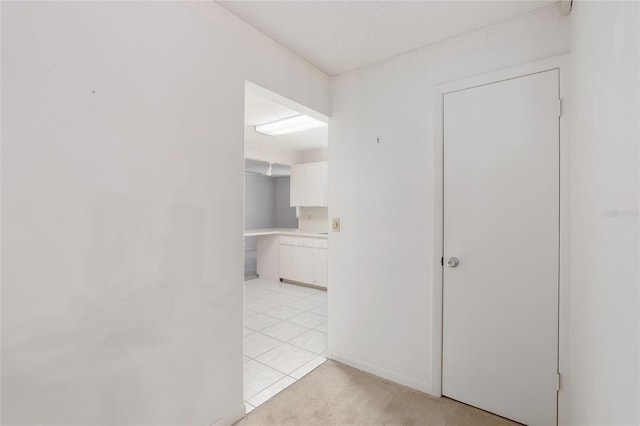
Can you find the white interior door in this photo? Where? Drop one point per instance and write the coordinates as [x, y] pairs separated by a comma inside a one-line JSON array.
[[501, 220]]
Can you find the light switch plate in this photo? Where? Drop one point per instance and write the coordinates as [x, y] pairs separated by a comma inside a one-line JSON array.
[[335, 224]]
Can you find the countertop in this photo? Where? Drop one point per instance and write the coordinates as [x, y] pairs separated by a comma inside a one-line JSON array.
[[283, 231]]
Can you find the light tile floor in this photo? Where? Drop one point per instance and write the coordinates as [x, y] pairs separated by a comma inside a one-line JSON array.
[[285, 336]]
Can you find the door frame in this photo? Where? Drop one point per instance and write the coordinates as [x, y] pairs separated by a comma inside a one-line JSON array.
[[561, 63]]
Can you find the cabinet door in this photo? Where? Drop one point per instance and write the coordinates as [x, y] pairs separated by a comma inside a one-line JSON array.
[[313, 184], [297, 186], [287, 261], [324, 178], [304, 264], [320, 266]]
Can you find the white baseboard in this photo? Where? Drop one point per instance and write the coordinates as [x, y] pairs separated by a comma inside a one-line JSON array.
[[232, 417], [392, 376]]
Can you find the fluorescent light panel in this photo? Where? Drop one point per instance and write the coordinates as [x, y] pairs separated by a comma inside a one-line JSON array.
[[297, 123]]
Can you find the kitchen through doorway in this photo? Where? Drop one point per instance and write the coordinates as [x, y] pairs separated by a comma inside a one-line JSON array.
[[286, 243]]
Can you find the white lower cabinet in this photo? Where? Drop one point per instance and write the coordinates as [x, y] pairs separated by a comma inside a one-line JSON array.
[[303, 260], [304, 265], [320, 264], [287, 260]]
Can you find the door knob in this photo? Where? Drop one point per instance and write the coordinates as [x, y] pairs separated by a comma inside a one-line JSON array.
[[453, 262]]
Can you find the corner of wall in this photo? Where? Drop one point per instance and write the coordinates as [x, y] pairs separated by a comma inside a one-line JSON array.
[[237, 414], [390, 375]]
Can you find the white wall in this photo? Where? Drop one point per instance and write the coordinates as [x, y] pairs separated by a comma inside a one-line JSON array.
[[312, 156], [266, 205], [259, 212], [270, 154], [122, 208], [314, 219], [380, 303], [259, 201], [285, 215], [604, 381]]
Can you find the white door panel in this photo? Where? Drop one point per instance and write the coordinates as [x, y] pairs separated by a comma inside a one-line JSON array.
[[501, 220]]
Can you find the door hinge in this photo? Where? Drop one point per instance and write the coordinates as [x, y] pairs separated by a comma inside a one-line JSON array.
[[442, 261], [559, 107], [558, 381]]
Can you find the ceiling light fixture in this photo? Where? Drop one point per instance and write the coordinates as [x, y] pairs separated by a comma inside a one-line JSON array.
[[297, 123], [270, 169]]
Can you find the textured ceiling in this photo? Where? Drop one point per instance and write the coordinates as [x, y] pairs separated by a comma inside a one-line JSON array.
[[337, 36]]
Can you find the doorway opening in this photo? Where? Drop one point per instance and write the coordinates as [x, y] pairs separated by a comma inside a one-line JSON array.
[[285, 243]]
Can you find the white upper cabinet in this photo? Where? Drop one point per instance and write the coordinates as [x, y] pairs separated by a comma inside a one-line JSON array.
[[309, 185], [296, 189], [312, 184]]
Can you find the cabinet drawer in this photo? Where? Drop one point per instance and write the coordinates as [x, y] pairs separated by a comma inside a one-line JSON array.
[[288, 241], [305, 242], [322, 244]]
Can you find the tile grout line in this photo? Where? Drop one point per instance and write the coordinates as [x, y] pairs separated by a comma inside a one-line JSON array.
[[285, 376], [284, 342], [289, 341], [279, 319], [282, 372], [308, 297], [285, 305], [268, 386], [289, 320]]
